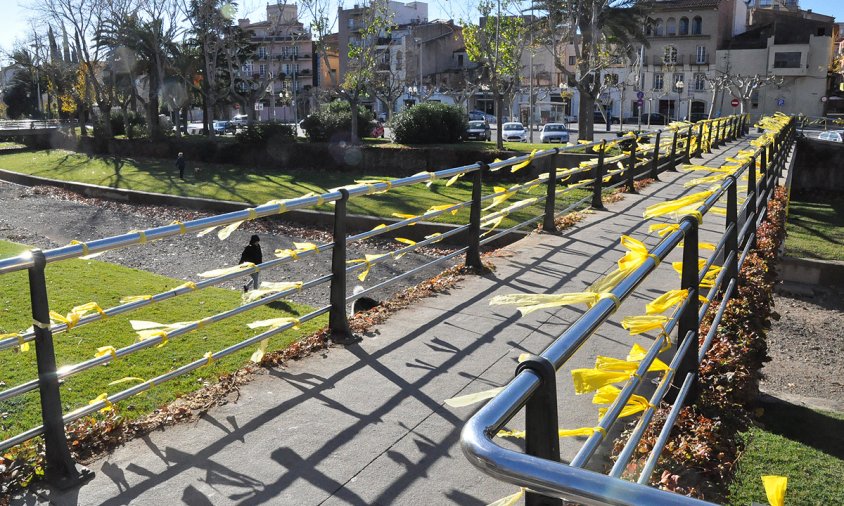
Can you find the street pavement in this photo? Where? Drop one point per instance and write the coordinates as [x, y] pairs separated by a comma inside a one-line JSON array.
[[367, 424]]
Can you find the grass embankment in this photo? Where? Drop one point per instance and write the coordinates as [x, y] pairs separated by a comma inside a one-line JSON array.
[[816, 228], [254, 186], [793, 441], [75, 282]]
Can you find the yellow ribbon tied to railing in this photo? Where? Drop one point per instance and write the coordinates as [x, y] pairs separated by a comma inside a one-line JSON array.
[[644, 323], [367, 261], [453, 179], [273, 323], [580, 431], [519, 166], [226, 231], [128, 299], [403, 240], [663, 229], [226, 270], [775, 487], [469, 399], [666, 301], [147, 330], [675, 205], [510, 500], [442, 207], [590, 380], [104, 398], [405, 217], [75, 314], [371, 182], [268, 288], [636, 254], [608, 394], [23, 345], [106, 350], [127, 379], [298, 247], [499, 199], [528, 303], [85, 254], [615, 364]]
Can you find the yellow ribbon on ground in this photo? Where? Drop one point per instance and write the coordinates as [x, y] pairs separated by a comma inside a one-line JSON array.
[[528, 303], [442, 207], [666, 301], [127, 379], [644, 323], [367, 261], [608, 394], [615, 364], [671, 206], [663, 229], [589, 380], [510, 500], [24, 346], [106, 350], [75, 314], [519, 166], [775, 487], [104, 398], [268, 287], [469, 399], [226, 270]]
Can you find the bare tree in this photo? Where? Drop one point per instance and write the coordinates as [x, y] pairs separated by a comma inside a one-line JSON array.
[[745, 86], [717, 84]]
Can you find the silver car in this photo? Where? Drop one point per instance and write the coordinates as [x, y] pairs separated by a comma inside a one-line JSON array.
[[832, 135], [554, 132], [514, 132]]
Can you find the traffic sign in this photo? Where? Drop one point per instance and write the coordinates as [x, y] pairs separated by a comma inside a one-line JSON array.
[[734, 102], [640, 102], [780, 102], [640, 95]]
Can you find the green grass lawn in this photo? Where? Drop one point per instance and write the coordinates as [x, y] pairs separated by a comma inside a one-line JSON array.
[[816, 229], [75, 282], [255, 186], [804, 445]]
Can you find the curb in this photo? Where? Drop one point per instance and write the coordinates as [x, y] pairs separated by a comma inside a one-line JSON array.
[[811, 271], [308, 218]]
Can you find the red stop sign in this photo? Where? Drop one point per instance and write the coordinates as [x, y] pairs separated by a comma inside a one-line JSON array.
[[735, 102]]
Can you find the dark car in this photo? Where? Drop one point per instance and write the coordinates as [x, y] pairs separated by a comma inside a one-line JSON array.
[[698, 116], [600, 119], [478, 130], [656, 119]]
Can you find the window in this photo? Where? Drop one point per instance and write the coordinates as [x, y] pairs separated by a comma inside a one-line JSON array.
[[701, 55], [700, 81], [247, 69], [262, 53], [671, 27], [697, 25], [789, 60], [572, 60], [460, 60], [754, 99], [659, 28], [658, 80], [684, 26], [262, 69], [678, 78], [669, 55], [611, 79]]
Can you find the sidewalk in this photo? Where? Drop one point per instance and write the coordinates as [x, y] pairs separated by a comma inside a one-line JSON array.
[[367, 424]]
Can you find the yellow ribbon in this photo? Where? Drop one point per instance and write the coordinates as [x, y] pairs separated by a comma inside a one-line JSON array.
[[226, 270], [663, 229], [522, 165], [268, 288], [104, 398], [188, 284], [442, 207], [24, 346], [181, 225], [644, 323], [75, 314], [469, 399], [106, 350], [510, 500], [582, 431], [608, 394], [670, 206], [127, 379], [528, 303], [614, 364], [775, 487], [500, 199], [85, 254], [666, 301], [209, 358], [367, 261], [637, 254], [589, 380], [454, 179], [405, 217], [275, 323], [134, 298]]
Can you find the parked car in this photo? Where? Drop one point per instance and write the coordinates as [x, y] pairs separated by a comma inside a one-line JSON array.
[[600, 119], [698, 116], [477, 115], [514, 132], [220, 127], [656, 119], [832, 135], [238, 121], [554, 132], [478, 130]]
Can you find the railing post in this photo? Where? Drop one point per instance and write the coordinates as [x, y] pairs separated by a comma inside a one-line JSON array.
[[699, 150], [709, 136], [598, 179], [688, 324], [61, 470], [338, 321], [548, 224], [753, 206], [541, 424], [655, 159], [731, 245], [631, 167], [720, 133], [473, 253], [673, 156], [688, 157]]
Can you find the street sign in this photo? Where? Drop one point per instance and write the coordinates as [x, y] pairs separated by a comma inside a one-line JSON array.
[[259, 106], [824, 99], [734, 102], [640, 102], [640, 95], [780, 102]]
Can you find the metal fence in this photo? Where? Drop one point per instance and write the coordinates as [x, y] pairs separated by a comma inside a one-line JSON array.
[[534, 387], [674, 145]]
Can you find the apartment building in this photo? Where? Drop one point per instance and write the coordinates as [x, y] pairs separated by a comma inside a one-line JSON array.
[[284, 60]]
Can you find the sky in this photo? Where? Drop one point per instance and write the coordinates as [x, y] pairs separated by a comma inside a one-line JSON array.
[[16, 13]]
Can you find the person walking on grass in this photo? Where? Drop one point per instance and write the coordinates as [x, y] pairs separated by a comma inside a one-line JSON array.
[[180, 163], [252, 254]]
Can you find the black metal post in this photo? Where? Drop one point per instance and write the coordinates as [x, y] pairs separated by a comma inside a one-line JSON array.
[[655, 159], [732, 225], [541, 424], [61, 470], [699, 150], [338, 321], [688, 324], [548, 224], [753, 205], [473, 254], [598, 179], [673, 156], [688, 157], [631, 167]]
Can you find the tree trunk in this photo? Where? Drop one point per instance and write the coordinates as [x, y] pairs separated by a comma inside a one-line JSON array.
[[353, 135], [499, 113], [586, 116], [712, 103]]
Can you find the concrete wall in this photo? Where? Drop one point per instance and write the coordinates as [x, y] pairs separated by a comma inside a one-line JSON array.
[[818, 166]]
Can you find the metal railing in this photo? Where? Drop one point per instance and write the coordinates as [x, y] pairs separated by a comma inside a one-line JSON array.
[[642, 160], [539, 469], [35, 124]]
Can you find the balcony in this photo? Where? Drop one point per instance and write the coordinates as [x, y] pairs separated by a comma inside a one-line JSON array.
[[696, 59]]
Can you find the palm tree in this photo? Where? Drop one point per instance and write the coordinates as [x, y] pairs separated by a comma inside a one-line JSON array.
[[598, 30]]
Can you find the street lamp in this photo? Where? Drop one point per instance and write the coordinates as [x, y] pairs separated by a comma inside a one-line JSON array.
[[679, 86], [418, 42]]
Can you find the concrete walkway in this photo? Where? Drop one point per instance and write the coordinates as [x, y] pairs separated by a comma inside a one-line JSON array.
[[367, 424]]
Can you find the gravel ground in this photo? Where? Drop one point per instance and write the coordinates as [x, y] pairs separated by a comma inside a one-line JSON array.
[[806, 344], [48, 217]]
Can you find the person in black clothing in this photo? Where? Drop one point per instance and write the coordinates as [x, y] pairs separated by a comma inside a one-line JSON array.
[[180, 163], [252, 253]]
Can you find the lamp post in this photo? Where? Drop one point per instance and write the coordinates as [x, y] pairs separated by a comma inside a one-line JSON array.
[[679, 87]]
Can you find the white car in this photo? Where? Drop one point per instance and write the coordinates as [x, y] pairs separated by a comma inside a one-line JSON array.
[[554, 132], [833, 136], [513, 132]]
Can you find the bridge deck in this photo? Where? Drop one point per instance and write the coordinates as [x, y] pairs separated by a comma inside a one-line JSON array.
[[367, 424]]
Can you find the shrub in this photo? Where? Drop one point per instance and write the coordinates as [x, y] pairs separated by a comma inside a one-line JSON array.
[[430, 123], [334, 122], [264, 134]]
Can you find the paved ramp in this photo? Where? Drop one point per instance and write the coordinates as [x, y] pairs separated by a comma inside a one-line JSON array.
[[367, 424]]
